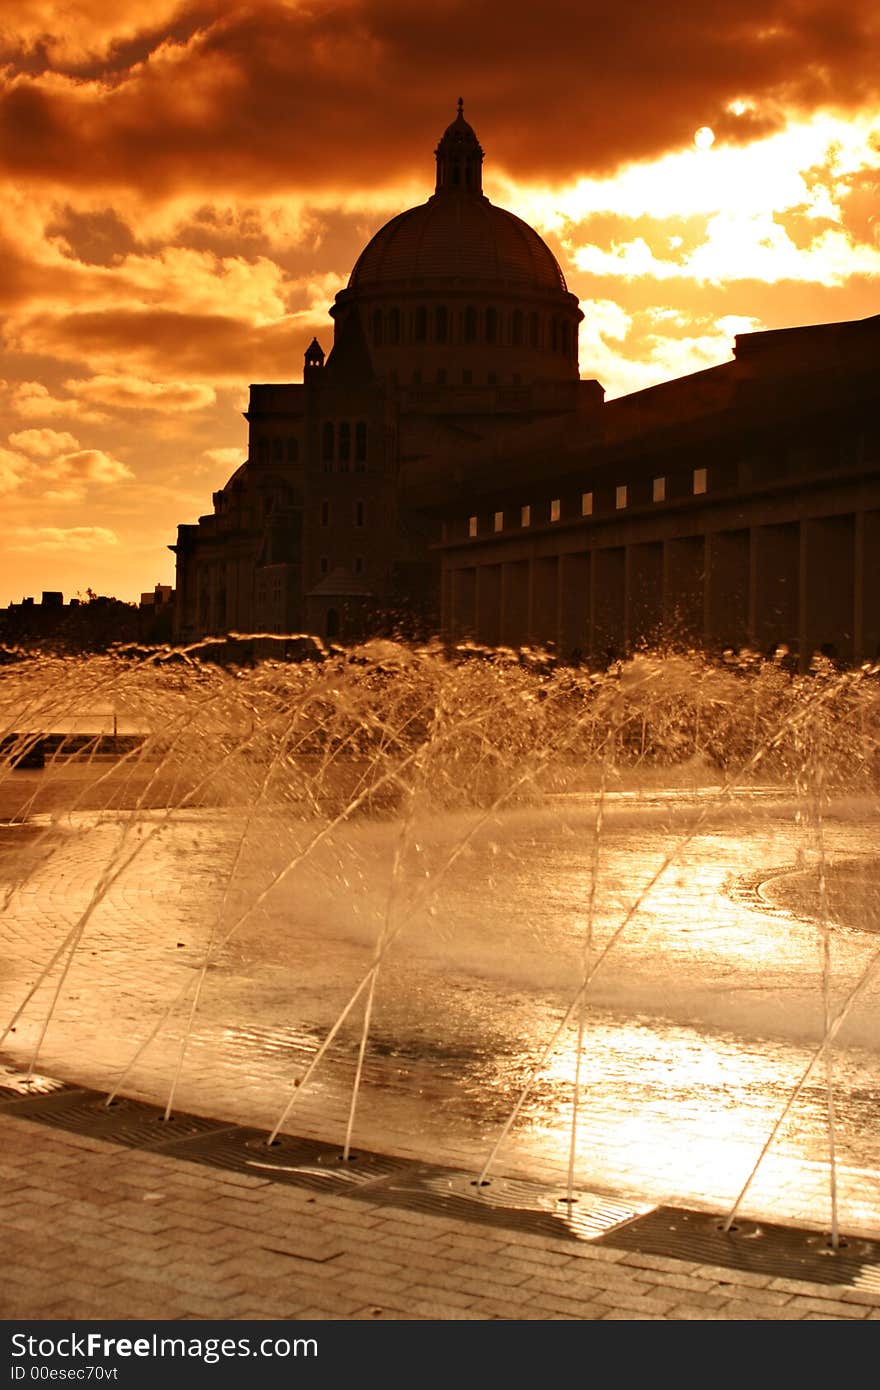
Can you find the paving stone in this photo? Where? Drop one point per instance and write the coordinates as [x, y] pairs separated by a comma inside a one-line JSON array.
[[802, 1286], [746, 1309], [639, 1303], [833, 1306], [719, 1274], [870, 1297], [627, 1315], [81, 1243], [456, 1298], [668, 1279], [445, 1312]]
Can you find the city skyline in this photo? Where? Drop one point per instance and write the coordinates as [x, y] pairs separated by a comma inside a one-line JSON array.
[[187, 189]]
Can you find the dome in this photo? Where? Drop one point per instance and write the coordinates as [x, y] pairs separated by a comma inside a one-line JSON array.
[[456, 293], [458, 235]]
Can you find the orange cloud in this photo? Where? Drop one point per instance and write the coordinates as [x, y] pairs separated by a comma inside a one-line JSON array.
[[277, 96], [43, 444], [225, 458], [52, 462], [33, 400], [134, 393], [166, 343], [53, 540]]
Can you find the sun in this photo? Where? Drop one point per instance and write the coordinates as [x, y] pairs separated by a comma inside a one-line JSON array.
[[704, 138]]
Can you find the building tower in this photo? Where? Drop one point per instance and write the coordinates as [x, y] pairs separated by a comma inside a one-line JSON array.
[[455, 327]]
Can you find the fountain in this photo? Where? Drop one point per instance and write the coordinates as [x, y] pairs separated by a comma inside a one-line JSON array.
[[607, 930]]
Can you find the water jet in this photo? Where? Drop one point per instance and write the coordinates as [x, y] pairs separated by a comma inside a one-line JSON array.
[[479, 908]]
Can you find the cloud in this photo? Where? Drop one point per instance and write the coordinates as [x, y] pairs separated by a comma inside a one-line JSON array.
[[134, 393], [631, 351], [34, 401], [167, 343], [739, 246], [91, 466], [211, 98], [11, 464], [37, 29], [43, 444], [69, 477], [53, 464], [225, 458], [52, 540]]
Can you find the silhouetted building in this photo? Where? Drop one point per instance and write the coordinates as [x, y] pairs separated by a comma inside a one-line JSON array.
[[448, 431], [93, 623], [456, 326], [738, 507]]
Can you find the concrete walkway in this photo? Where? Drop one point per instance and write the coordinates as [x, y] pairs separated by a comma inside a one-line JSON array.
[[92, 1231]]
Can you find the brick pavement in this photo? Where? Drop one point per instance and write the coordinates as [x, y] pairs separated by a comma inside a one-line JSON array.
[[89, 1230]]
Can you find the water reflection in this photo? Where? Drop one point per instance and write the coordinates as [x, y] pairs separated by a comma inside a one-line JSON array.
[[698, 1023]]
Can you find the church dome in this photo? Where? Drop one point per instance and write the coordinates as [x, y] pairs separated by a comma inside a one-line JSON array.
[[456, 236], [457, 293]]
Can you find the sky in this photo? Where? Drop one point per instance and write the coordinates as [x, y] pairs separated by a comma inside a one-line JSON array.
[[186, 186]]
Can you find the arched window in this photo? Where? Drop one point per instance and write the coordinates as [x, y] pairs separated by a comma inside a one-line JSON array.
[[277, 450], [332, 623], [516, 328], [491, 325], [394, 326], [377, 327], [470, 324], [441, 323], [360, 444], [344, 449], [421, 324], [359, 513], [263, 450], [327, 442], [554, 335], [533, 329], [292, 449]]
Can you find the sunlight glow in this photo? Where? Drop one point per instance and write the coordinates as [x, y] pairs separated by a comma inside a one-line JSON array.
[[786, 170]]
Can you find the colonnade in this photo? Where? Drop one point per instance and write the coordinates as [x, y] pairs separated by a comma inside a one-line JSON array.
[[810, 583]]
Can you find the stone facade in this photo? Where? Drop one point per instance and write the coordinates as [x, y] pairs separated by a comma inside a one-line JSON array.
[[456, 327], [738, 507], [447, 464]]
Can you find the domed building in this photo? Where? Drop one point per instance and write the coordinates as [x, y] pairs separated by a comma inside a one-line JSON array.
[[459, 292], [455, 330]]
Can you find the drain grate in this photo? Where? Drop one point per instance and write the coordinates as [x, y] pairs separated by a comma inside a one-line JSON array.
[[303, 1162], [17, 1086], [759, 1247], [678, 1233], [132, 1123], [511, 1202]]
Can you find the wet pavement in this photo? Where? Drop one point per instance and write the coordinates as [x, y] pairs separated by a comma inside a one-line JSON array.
[[677, 1099], [91, 1231]]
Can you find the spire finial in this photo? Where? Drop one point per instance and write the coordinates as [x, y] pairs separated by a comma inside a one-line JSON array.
[[459, 157]]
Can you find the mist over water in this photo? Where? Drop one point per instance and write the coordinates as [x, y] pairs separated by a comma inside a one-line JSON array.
[[492, 857]]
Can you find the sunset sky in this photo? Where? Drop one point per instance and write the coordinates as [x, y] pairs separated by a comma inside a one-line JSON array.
[[186, 187]]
